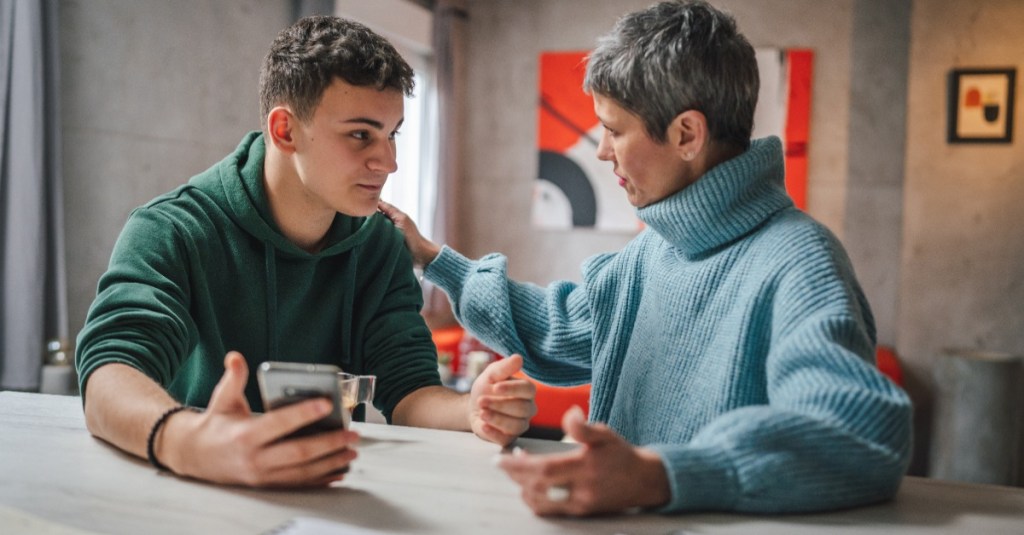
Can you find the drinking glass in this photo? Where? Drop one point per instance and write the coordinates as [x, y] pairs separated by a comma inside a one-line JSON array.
[[356, 389]]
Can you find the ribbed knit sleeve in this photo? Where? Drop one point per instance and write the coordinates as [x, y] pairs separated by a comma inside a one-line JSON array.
[[550, 326], [835, 434]]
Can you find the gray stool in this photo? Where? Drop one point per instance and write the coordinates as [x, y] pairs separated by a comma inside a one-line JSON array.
[[978, 418]]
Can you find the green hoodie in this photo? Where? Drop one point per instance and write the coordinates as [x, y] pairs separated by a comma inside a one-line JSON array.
[[204, 270]]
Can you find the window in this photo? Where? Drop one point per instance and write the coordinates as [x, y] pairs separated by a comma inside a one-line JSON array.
[[412, 187], [408, 26]]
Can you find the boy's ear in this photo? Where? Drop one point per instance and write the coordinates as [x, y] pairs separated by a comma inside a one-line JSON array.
[[688, 133], [280, 126]]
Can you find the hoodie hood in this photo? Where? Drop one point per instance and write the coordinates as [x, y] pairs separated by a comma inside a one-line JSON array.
[[237, 186]]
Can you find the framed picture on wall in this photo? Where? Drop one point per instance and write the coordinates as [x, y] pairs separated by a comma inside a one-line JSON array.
[[981, 105]]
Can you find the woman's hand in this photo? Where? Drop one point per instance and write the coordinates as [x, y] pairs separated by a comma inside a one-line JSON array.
[[605, 475], [423, 250]]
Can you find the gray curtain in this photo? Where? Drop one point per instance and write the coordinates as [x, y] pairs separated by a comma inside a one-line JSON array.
[[449, 42], [33, 295]]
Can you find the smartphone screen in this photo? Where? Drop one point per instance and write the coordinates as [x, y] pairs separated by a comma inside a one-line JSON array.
[[284, 383]]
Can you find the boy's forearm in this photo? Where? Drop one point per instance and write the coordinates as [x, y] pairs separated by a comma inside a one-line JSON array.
[[435, 407], [121, 406]]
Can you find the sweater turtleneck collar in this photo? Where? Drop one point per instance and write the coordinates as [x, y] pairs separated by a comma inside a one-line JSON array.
[[726, 203]]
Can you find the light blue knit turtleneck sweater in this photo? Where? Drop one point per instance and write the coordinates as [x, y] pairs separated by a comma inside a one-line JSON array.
[[731, 337]]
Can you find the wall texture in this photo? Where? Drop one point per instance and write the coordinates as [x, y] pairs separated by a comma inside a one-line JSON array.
[[153, 92], [963, 247], [877, 147]]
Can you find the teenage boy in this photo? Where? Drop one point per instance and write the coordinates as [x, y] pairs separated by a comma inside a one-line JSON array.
[[277, 253]]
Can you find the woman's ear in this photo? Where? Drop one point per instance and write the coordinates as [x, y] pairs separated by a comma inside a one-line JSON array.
[[688, 133], [280, 126]]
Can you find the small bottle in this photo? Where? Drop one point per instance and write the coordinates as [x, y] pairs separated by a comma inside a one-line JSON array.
[[444, 367], [478, 360], [58, 372], [467, 345]]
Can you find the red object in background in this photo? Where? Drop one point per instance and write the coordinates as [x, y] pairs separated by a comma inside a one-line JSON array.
[[888, 364], [566, 113], [447, 342], [798, 123], [553, 401], [456, 343]]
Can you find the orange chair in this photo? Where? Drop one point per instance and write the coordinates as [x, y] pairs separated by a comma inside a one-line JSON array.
[[554, 401]]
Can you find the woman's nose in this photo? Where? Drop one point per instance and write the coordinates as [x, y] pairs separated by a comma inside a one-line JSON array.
[[604, 148]]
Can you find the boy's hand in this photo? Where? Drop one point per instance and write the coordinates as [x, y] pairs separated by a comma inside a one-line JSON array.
[[500, 407], [226, 444]]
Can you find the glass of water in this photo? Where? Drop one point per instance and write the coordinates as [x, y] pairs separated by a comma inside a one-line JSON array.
[[356, 389]]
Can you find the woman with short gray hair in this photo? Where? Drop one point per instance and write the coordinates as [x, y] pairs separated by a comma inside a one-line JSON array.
[[729, 345]]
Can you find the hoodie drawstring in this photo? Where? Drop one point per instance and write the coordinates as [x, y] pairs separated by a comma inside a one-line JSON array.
[[271, 286], [348, 356]]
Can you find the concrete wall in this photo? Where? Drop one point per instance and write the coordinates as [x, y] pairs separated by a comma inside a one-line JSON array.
[[153, 92], [877, 147], [962, 261]]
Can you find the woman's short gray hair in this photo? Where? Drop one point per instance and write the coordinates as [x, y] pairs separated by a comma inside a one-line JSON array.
[[677, 56]]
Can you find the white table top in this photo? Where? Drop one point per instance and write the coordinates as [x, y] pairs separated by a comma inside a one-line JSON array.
[[56, 478]]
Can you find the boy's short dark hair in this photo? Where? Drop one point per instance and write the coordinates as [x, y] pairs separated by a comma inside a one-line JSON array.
[[306, 57]]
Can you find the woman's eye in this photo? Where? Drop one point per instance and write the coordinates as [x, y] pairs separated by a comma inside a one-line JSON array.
[[361, 135], [394, 134]]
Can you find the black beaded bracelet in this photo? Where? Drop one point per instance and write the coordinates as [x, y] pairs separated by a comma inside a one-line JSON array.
[[150, 454]]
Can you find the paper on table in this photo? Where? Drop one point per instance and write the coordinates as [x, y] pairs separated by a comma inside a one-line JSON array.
[[306, 525]]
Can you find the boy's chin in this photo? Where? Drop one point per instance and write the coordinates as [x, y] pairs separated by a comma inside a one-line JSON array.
[[359, 211]]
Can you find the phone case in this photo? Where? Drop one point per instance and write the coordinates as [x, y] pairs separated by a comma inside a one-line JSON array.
[[284, 383]]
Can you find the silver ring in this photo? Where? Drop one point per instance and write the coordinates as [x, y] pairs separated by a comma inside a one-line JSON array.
[[558, 493]]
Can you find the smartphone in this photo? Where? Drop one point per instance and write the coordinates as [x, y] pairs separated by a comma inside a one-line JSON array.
[[284, 383]]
